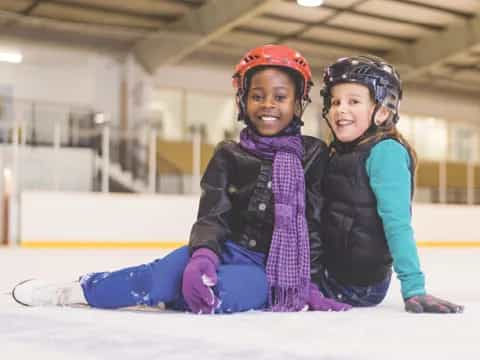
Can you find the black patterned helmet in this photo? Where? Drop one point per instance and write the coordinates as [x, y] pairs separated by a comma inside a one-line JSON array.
[[380, 77]]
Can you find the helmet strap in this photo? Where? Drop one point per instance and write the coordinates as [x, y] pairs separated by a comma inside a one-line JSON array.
[[372, 129], [242, 107]]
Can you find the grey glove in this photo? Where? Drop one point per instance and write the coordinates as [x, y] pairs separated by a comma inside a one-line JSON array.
[[431, 304]]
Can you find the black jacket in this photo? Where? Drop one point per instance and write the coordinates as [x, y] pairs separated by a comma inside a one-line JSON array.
[[237, 199], [354, 235]]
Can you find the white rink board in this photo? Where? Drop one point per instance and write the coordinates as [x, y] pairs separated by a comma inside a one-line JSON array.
[[90, 217], [60, 216], [446, 223]]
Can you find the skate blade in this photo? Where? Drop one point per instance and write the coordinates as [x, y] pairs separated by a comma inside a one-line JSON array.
[[13, 292]]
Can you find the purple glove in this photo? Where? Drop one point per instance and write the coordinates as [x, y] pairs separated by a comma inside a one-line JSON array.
[[318, 302], [430, 304], [199, 276]]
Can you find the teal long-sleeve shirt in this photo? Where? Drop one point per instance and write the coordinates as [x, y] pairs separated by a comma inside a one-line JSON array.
[[388, 167]]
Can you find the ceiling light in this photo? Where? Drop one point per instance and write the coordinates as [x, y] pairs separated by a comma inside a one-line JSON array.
[[11, 57], [99, 118], [310, 3]]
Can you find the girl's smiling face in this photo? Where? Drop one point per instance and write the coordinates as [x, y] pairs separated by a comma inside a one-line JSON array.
[[271, 101], [351, 110]]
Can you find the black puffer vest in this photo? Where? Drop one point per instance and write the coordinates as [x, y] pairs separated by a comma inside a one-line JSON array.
[[355, 244]]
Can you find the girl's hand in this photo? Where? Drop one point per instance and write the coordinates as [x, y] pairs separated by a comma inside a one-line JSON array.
[[431, 304], [199, 276]]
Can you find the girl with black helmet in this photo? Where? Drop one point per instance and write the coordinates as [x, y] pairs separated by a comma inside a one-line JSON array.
[[368, 188], [249, 248]]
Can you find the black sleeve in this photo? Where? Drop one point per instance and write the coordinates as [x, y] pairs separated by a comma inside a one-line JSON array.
[[212, 227], [314, 206]]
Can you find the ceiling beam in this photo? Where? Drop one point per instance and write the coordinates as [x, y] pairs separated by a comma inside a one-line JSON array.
[[353, 9], [446, 10], [113, 41], [108, 10], [62, 26], [433, 50], [324, 23], [28, 10], [347, 48], [195, 29]]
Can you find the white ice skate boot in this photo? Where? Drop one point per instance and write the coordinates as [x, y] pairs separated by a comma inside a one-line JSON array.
[[38, 293]]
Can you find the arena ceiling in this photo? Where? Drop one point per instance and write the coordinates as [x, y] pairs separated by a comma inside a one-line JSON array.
[[431, 41]]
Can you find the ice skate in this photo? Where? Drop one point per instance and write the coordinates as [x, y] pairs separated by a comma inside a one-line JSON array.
[[34, 292]]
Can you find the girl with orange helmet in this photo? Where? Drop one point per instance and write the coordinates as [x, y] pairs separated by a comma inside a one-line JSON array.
[[250, 246]]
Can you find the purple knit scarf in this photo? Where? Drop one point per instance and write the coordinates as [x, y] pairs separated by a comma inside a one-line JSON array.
[[288, 264]]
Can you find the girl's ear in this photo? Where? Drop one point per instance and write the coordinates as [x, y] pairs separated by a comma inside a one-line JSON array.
[[382, 115], [298, 108]]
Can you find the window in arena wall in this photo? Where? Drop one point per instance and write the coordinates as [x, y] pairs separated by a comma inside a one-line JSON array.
[[463, 143], [215, 111], [430, 138], [312, 119], [405, 126], [166, 109]]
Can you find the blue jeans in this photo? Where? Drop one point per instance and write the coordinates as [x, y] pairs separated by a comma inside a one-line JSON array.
[[354, 295], [241, 285]]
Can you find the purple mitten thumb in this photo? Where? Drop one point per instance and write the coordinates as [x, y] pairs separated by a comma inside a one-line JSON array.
[[199, 276], [318, 302]]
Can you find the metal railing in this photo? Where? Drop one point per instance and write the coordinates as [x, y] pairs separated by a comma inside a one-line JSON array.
[[123, 159]]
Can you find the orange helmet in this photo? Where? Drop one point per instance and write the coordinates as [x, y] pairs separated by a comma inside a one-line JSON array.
[[273, 55]]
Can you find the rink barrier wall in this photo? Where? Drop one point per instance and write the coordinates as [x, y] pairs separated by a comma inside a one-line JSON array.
[[33, 244], [93, 220], [174, 245]]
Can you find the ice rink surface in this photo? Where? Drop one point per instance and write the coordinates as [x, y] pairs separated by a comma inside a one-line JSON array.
[[385, 332]]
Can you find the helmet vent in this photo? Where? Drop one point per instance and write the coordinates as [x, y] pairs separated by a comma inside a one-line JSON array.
[[361, 70], [300, 62], [250, 58]]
